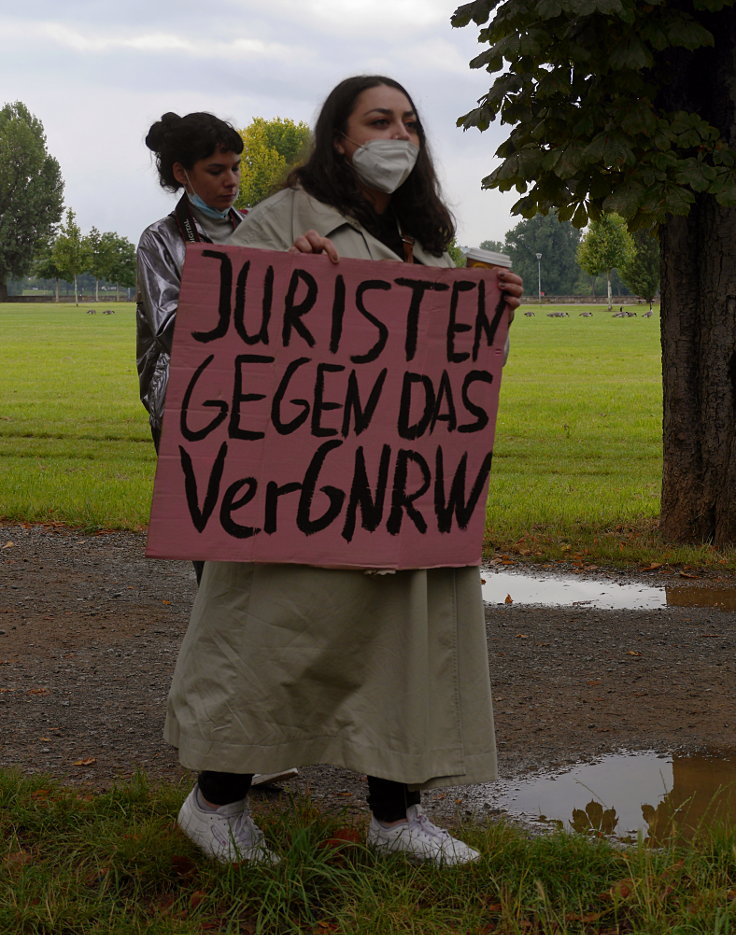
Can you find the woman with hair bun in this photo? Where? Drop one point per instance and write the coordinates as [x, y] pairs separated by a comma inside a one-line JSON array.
[[385, 674], [201, 154]]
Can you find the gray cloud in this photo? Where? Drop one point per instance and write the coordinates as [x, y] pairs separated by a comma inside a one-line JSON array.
[[97, 74]]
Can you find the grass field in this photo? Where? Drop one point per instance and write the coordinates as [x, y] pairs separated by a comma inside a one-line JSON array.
[[113, 864], [576, 472], [577, 461], [74, 441]]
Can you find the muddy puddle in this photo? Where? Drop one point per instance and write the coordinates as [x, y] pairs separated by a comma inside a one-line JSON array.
[[555, 590], [622, 796]]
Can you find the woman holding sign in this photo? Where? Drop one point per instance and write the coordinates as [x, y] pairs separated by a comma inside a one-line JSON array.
[[385, 674]]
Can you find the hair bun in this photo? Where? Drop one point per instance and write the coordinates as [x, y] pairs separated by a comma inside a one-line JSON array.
[[160, 130]]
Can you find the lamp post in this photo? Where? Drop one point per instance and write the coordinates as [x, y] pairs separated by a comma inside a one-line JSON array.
[[539, 273]]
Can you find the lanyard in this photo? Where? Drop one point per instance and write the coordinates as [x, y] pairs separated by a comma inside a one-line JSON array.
[[187, 224]]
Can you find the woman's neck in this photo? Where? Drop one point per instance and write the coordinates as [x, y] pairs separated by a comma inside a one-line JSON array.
[[379, 201], [217, 229]]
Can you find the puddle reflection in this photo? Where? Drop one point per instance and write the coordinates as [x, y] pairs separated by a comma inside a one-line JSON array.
[[623, 795], [571, 590], [566, 590], [723, 598]]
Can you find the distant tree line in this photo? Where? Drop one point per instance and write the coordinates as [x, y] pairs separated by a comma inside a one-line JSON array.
[[554, 257], [67, 254], [33, 238]]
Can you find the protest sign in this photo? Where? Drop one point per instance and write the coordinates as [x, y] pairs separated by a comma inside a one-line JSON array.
[[334, 415]]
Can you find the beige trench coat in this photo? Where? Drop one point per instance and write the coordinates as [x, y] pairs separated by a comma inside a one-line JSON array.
[[290, 664]]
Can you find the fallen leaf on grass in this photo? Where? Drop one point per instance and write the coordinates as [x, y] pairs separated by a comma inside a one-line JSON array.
[[508, 599], [183, 867], [622, 889], [37, 691], [494, 907], [96, 877], [166, 602], [586, 918], [164, 902], [685, 574], [9, 545], [632, 652], [340, 841], [88, 761], [653, 567], [521, 636], [196, 898], [18, 859]]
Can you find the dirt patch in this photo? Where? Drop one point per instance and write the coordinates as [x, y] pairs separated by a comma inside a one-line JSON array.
[[89, 631]]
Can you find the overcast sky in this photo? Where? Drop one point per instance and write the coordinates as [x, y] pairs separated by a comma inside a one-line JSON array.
[[98, 73]]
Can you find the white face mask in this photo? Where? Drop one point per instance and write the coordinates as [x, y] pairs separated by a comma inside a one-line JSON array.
[[385, 164]]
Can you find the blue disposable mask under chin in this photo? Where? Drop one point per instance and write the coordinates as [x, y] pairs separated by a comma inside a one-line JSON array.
[[202, 206]]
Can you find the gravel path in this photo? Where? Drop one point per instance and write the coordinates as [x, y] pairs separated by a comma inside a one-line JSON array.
[[89, 631]]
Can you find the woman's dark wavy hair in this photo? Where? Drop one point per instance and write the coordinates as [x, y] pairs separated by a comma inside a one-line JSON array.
[[329, 176], [187, 140]]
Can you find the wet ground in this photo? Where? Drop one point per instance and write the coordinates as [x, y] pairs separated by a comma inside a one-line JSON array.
[[552, 589], [583, 668]]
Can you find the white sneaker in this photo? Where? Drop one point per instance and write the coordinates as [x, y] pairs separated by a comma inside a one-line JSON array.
[[228, 834], [267, 779], [420, 839]]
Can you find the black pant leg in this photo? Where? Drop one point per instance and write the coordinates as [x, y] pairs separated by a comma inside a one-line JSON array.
[[223, 788], [389, 800]]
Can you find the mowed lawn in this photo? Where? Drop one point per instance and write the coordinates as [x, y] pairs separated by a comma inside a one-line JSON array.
[[74, 440], [577, 458], [578, 452]]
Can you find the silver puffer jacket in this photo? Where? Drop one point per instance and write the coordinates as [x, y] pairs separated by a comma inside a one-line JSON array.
[[160, 257]]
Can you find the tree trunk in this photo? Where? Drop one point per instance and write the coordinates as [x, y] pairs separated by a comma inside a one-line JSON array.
[[610, 294], [699, 313], [3, 291], [698, 322]]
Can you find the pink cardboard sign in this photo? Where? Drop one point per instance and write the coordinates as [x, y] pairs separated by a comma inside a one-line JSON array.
[[328, 415]]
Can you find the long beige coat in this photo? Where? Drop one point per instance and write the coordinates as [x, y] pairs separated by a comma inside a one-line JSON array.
[[290, 664]]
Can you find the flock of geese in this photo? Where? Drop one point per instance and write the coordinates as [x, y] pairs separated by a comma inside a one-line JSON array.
[[619, 314]]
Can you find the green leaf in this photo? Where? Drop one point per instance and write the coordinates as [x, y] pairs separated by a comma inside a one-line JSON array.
[[630, 54], [625, 199], [572, 158], [548, 9], [478, 11], [712, 5], [639, 119], [490, 60], [688, 34]]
